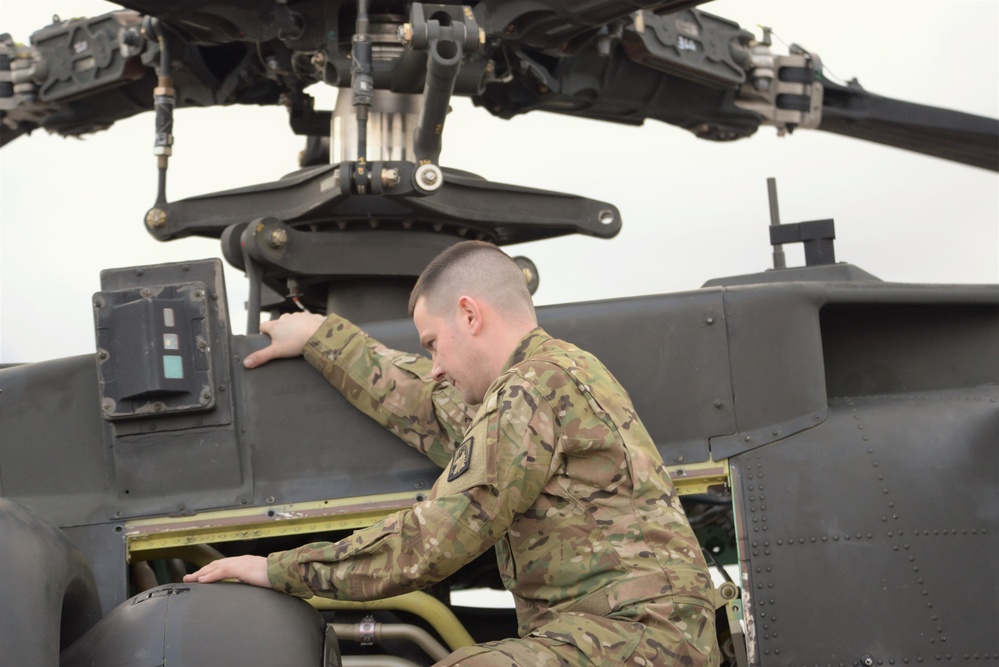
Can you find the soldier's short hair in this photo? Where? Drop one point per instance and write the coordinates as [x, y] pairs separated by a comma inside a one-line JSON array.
[[475, 268]]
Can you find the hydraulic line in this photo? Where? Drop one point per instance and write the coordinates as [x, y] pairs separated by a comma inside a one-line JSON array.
[[361, 81], [378, 631], [427, 607], [164, 100]]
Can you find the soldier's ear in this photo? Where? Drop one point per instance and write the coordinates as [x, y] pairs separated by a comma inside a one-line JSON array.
[[470, 314]]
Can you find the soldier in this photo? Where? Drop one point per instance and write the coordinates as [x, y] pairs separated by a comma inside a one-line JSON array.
[[543, 457]]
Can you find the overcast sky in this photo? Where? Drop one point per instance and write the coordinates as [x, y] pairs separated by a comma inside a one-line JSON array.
[[692, 209]]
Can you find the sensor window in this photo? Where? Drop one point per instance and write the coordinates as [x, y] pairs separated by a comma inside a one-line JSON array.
[[173, 367]]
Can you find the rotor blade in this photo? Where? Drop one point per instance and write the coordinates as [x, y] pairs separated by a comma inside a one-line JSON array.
[[951, 135]]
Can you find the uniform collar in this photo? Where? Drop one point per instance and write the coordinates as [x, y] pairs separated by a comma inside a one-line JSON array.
[[527, 346]]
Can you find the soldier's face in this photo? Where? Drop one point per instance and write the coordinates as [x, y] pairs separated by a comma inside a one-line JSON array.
[[448, 345], [453, 351]]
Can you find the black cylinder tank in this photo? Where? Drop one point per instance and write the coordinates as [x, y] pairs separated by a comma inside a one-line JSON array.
[[195, 625]]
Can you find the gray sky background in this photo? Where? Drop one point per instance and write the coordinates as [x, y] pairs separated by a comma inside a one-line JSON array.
[[693, 210]]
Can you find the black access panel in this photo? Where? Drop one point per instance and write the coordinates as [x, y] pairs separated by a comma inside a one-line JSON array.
[[872, 538], [161, 334]]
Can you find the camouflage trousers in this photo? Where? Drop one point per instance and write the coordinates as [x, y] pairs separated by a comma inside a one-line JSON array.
[[686, 638]]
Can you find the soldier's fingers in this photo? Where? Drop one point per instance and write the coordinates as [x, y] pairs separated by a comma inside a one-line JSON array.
[[260, 357], [216, 571], [204, 575]]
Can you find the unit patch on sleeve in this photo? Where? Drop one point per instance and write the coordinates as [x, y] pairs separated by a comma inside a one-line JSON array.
[[460, 460]]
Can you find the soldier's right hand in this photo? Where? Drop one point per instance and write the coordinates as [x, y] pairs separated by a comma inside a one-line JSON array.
[[246, 569], [288, 333]]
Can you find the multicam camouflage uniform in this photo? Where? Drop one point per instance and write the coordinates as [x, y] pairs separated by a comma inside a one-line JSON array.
[[554, 469]]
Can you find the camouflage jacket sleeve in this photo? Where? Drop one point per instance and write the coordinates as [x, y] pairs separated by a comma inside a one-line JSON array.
[[393, 388], [505, 460]]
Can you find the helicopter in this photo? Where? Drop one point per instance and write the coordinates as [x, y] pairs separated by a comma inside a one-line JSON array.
[[745, 646]]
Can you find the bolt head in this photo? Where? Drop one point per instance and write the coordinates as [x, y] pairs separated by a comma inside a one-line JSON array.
[[390, 177], [156, 218], [428, 177], [131, 37], [405, 34], [277, 238]]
